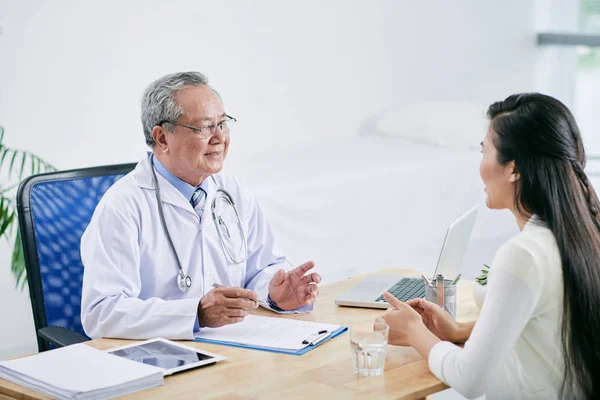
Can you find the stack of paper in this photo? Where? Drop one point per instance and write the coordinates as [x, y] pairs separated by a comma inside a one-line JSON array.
[[81, 372]]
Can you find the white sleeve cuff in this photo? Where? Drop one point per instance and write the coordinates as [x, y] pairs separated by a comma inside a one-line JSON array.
[[436, 357]]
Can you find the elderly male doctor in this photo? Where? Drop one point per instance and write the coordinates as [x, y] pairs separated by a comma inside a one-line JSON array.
[[147, 276]]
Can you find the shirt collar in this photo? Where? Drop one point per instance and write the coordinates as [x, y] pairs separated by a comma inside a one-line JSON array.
[[534, 220], [182, 186]]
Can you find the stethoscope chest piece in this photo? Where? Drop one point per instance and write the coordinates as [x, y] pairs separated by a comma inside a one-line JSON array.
[[184, 282]]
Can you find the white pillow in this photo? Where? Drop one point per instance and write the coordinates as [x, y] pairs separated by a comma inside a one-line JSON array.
[[446, 124]]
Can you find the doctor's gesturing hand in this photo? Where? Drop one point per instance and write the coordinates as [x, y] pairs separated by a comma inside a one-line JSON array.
[[223, 306], [293, 289]]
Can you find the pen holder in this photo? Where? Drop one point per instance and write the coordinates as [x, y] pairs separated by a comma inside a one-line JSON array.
[[431, 294]]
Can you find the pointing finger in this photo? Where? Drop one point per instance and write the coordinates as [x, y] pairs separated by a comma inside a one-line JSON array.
[[394, 302]]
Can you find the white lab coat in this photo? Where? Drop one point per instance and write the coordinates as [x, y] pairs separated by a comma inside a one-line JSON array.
[[129, 281]]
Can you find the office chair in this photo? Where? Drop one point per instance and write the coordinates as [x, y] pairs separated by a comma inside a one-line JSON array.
[[54, 210]]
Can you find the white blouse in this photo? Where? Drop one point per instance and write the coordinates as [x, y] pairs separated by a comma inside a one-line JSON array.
[[514, 351]]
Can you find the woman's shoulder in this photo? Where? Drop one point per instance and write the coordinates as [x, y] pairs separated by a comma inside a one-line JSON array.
[[534, 239], [529, 254]]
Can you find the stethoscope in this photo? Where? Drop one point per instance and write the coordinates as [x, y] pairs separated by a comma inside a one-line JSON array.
[[184, 282]]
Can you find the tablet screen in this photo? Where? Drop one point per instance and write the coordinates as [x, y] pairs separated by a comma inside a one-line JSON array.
[[163, 354]]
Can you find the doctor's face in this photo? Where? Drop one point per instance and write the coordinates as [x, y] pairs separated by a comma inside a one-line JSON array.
[[194, 156]]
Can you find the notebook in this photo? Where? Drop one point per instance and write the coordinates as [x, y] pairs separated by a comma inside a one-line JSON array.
[[280, 335], [81, 372]]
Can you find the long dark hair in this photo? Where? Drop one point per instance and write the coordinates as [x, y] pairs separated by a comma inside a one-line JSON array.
[[540, 135]]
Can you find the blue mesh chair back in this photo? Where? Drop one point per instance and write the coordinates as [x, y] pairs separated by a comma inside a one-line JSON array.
[[54, 210]]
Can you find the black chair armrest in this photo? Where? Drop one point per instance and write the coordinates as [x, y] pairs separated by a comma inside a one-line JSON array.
[[60, 337]]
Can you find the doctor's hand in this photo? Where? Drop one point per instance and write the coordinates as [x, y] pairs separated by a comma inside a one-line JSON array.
[[293, 289], [223, 306]]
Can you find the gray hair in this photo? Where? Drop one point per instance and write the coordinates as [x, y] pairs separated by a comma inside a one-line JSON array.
[[158, 103]]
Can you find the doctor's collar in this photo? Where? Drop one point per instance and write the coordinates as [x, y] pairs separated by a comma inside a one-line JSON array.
[[182, 186]]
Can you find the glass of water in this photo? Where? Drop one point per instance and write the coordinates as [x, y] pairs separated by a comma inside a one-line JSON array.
[[368, 342]]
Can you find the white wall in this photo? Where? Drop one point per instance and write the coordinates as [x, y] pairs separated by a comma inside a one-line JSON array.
[[557, 65], [72, 72]]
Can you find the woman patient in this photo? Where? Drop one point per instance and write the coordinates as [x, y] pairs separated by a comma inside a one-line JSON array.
[[538, 333]]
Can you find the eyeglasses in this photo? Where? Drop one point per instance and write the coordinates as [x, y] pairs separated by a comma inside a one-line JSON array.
[[224, 127]]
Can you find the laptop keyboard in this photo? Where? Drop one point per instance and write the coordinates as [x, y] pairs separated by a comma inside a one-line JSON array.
[[406, 289]]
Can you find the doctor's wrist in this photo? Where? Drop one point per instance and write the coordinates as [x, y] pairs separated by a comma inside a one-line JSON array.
[[199, 314], [205, 316], [272, 304]]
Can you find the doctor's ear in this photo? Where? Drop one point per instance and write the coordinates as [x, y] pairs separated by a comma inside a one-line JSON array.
[[159, 135]]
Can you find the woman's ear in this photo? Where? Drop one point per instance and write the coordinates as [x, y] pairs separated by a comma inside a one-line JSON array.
[[514, 174]]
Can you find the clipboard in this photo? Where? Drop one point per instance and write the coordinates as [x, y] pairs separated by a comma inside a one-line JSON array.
[[276, 335]]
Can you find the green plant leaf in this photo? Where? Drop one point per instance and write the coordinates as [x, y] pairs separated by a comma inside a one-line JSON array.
[[18, 263], [22, 169], [18, 168], [482, 279], [12, 162], [5, 152], [6, 223], [35, 166], [7, 215], [7, 189]]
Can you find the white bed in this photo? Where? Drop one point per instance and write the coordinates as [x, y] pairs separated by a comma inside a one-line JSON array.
[[365, 203]]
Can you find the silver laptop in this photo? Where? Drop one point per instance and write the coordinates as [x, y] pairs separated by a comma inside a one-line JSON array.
[[368, 293]]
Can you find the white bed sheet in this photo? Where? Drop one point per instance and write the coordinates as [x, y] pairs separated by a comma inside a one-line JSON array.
[[364, 203]]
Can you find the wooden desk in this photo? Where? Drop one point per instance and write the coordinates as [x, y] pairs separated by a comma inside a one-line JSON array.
[[323, 373]]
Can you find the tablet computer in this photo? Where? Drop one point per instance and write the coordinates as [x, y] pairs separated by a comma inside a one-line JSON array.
[[170, 356]]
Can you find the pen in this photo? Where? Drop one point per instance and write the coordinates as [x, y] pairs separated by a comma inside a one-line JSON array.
[[321, 335], [319, 339], [439, 285], [427, 281], [261, 302], [455, 280]]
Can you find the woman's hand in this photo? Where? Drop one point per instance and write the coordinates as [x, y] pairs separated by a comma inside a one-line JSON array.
[[405, 323], [438, 321]]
